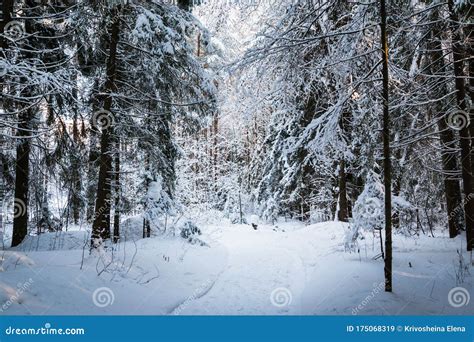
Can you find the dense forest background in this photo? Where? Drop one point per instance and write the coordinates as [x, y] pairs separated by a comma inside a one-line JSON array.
[[315, 110]]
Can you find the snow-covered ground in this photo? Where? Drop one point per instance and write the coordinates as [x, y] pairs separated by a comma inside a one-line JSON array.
[[289, 269]]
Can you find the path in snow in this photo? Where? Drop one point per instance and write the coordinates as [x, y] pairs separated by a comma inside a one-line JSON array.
[[313, 275], [304, 269], [266, 272]]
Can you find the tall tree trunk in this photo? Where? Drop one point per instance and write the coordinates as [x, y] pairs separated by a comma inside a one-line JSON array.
[[117, 193], [94, 155], [452, 189], [215, 132], [101, 225], [22, 177], [343, 213], [146, 228], [470, 54], [23, 133], [447, 139], [76, 201], [7, 9], [146, 221], [466, 133], [344, 206], [386, 152]]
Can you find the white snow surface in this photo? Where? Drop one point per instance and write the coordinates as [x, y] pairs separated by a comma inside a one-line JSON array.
[[288, 269]]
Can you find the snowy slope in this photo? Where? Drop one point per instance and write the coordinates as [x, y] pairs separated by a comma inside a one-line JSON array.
[[290, 269]]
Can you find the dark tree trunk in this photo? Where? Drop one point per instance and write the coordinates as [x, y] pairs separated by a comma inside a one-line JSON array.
[[22, 177], [75, 173], [343, 213], [344, 205], [23, 133], [470, 54], [334, 193], [466, 133], [447, 139], [146, 222], [146, 228], [215, 132], [101, 225], [451, 184], [94, 155], [467, 11], [117, 193], [7, 9], [386, 152]]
